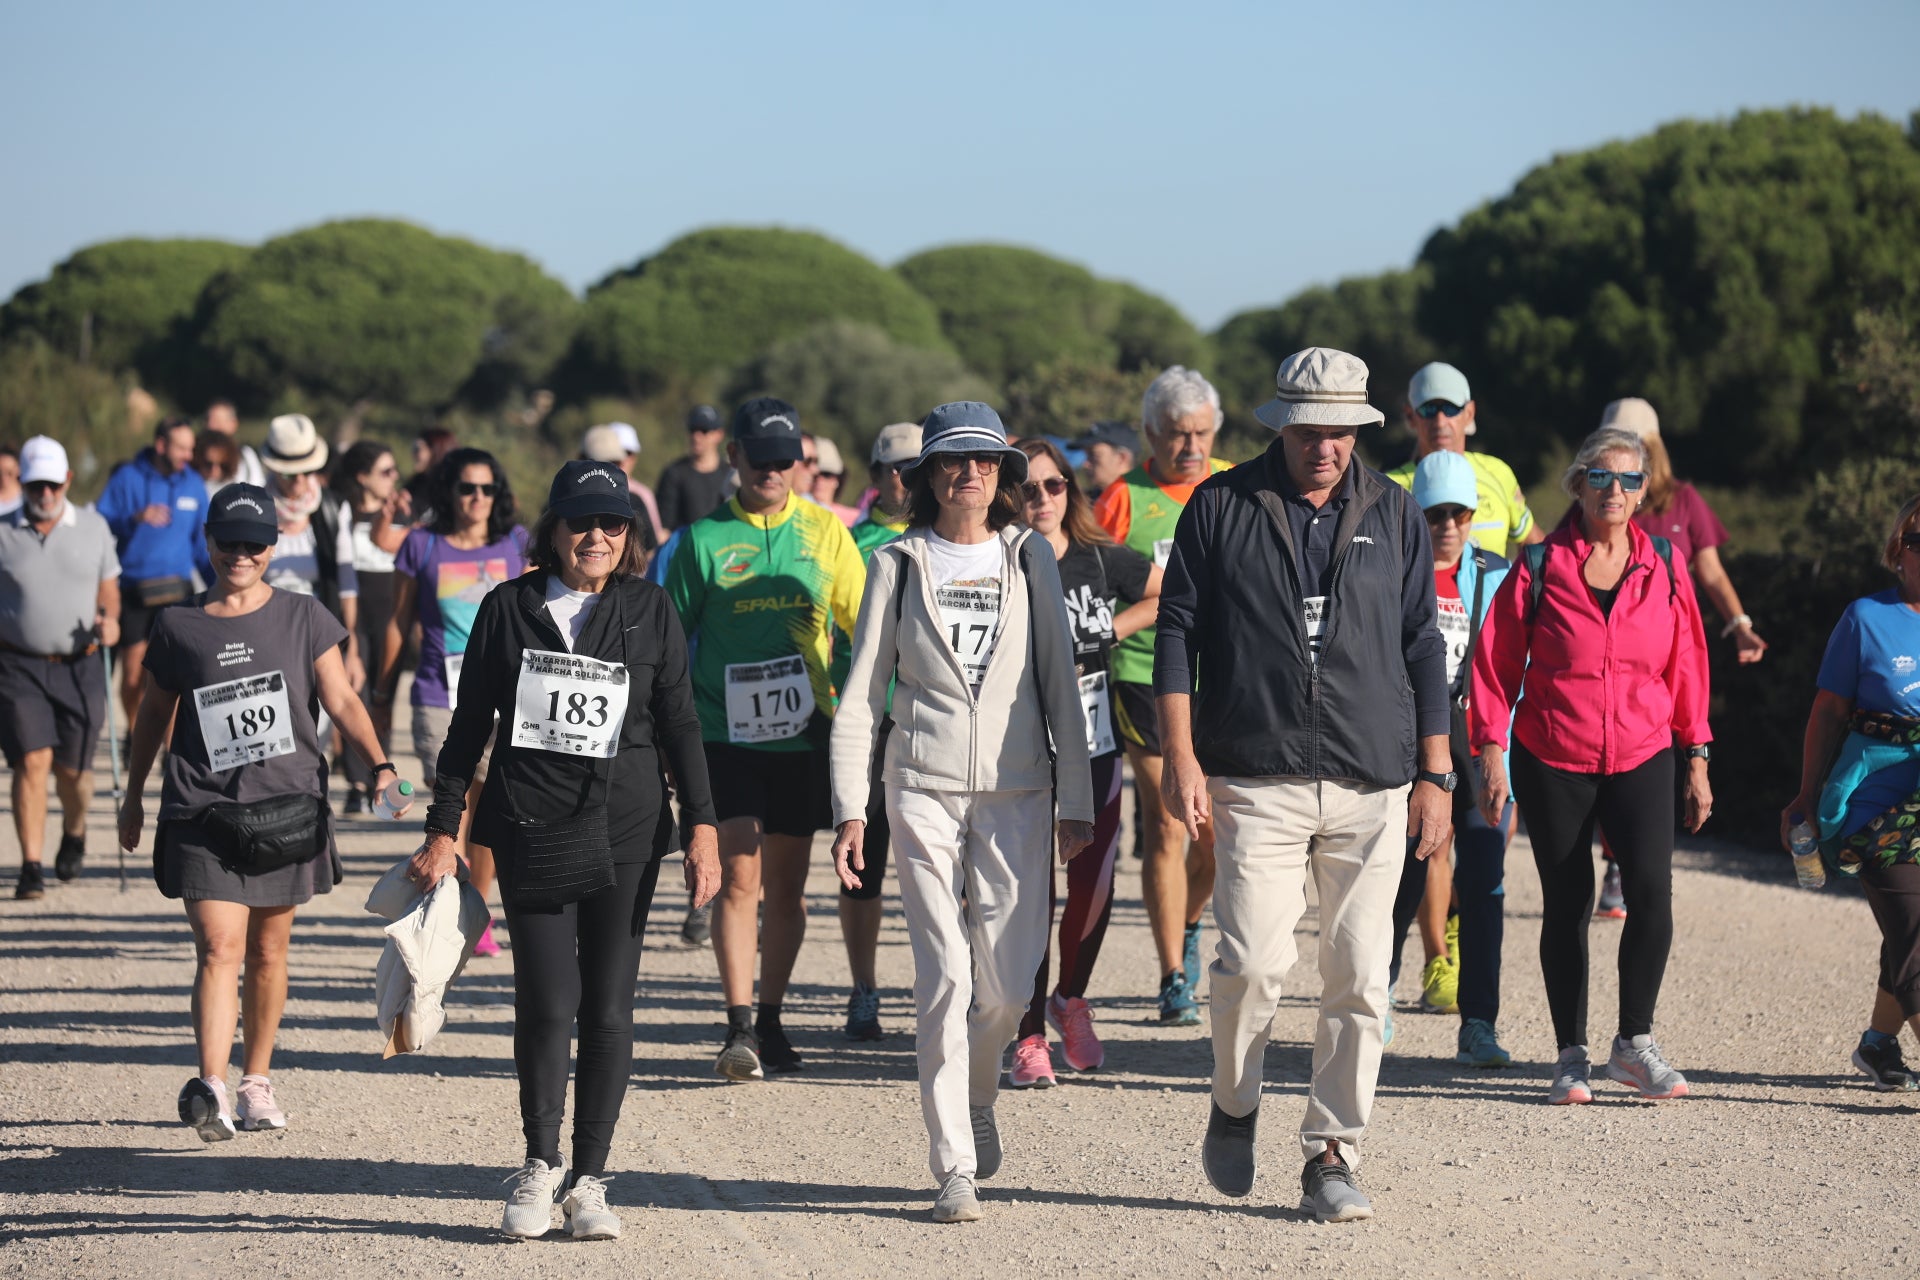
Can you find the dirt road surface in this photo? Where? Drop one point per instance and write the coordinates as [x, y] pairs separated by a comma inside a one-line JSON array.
[[1783, 1163]]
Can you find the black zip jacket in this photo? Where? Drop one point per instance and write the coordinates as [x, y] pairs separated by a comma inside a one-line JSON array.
[[1233, 635], [634, 623]]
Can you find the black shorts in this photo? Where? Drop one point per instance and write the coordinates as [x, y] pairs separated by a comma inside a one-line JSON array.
[[51, 704], [873, 847], [136, 621], [1137, 716], [787, 791]]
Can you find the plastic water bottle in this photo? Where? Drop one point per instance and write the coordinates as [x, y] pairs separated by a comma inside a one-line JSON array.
[[385, 806], [1806, 853]]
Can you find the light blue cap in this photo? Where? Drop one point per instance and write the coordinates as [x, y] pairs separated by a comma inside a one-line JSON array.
[[1445, 477], [1438, 381]]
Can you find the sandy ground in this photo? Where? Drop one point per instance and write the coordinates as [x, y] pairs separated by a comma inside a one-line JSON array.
[[1782, 1163]]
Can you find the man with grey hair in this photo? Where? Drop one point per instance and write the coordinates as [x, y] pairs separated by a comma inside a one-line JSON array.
[[1180, 415], [1302, 686], [59, 602]]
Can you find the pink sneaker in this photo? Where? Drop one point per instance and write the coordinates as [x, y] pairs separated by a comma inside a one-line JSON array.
[[1032, 1064], [258, 1110], [487, 946], [1074, 1021]]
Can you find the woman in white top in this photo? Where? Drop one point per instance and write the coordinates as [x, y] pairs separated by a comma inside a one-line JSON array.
[[367, 481], [965, 619]]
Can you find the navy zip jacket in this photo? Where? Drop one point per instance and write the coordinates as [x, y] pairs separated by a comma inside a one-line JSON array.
[[1233, 632]]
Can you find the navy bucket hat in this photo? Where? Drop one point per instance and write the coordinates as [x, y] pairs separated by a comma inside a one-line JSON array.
[[967, 426]]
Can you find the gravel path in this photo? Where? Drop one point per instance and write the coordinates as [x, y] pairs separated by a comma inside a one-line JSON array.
[[1782, 1163]]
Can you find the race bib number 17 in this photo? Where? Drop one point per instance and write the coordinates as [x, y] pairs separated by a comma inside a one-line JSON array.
[[245, 720]]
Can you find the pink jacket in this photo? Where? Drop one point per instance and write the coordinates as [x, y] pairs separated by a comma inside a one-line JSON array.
[[1603, 693]]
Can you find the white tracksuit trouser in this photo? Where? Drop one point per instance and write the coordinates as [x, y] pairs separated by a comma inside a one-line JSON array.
[[975, 870], [1268, 833]]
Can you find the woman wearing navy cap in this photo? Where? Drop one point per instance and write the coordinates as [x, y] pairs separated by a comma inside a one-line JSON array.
[[584, 662]]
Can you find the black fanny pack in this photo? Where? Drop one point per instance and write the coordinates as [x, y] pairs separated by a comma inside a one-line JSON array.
[[267, 834], [152, 593]]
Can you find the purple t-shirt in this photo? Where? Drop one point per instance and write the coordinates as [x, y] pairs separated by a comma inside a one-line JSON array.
[[1688, 523], [450, 584]]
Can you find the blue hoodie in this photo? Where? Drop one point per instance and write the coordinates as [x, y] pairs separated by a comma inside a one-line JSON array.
[[172, 550]]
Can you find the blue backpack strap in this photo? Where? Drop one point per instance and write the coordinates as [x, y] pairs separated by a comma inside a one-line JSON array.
[[1535, 556]]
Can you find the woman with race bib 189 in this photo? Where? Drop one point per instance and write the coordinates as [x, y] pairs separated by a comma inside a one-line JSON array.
[[245, 835], [584, 663]]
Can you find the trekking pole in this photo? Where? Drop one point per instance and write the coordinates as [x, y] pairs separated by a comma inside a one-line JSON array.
[[113, 754]]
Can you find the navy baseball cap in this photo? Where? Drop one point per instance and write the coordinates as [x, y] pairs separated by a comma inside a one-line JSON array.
[[1117, 434], [586, 488], [768, 430], [243, 513], [703, 417]]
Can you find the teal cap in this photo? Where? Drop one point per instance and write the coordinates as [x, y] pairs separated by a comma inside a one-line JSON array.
[[1445, 477]]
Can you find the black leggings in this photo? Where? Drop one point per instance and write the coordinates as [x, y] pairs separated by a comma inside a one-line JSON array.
[[1636, 808], [578, 961]]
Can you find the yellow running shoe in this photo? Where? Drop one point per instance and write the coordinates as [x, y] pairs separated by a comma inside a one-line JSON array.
[[1440, 986]]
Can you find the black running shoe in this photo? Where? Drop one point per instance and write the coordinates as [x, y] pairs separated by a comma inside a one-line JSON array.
[[1886, 1068], [73, 852], [776, 1051], [33, 882], [740, 1058], [356, 802]]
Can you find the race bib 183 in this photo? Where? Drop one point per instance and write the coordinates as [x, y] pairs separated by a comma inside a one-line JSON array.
[[569, 704], [245, 720]]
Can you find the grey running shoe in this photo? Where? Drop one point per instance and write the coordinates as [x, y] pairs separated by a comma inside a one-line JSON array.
[[1612, 904], [1886, 1068], [1227, 1151], [1328, 1190], [1638, 1062], [958, 1202], [986, 1142], [1572, 1081], [863, 1013], [586, 1212], [530, 1203], [203, 1104], [740, 1058], [697, 928], [1479, 1047]]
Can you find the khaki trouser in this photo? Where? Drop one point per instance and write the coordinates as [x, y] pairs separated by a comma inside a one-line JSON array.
[[975, 881], [1268, 832]]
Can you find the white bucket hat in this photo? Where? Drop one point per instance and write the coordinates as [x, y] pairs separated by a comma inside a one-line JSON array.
[[294, 446], [1320, 387]]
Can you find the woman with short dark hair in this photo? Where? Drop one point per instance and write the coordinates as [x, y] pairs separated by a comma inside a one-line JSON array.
[[583, 666], [965, 621]]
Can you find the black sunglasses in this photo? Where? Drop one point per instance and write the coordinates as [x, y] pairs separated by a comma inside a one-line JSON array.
[[1434, 408], [1447, 513], [1910, 541], [48, 485], [1601, 479], [1052, 484], [466, 490], [778, 464], [240, 548], [613, 526]]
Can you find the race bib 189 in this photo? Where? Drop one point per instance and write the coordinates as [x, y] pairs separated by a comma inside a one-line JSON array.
[[1099, 708], [569, 704], [768, 701], [245, 720]]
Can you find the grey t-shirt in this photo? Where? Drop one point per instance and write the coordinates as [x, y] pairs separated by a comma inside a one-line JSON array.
[[50, 587], [245, 728]]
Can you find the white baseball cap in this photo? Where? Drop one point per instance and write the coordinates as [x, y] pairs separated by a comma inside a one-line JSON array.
[[43, 460], [629, 438]]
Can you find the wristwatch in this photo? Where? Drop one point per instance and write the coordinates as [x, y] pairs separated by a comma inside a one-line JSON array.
[[1700, 752], [1445, 781], [386, 764]]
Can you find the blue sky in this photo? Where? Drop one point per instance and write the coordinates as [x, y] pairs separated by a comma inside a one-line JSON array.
[[1223, 155]]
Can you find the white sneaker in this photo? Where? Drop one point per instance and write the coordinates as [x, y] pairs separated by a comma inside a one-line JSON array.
[[530, 1203], [258, 1110], [203, 1104], [585, 1209]]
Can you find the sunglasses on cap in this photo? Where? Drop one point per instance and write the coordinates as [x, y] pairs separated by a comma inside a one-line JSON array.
[[467, 490], [612, 526], [1052, 484], [1600, 479], [951, 463], [240, 547], [1448, 513], [1434, 408]]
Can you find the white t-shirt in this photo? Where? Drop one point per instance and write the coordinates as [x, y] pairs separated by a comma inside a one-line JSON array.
[[570, 609], [966, 587]]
